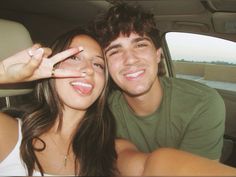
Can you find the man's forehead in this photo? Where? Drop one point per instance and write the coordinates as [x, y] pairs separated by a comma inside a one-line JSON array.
[[131, 34], [130, 37]]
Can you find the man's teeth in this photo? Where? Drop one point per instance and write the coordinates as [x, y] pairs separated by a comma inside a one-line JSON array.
[[81, 84], [134, 74]]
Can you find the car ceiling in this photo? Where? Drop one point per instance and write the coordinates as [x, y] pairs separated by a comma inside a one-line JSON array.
[[46, 19]]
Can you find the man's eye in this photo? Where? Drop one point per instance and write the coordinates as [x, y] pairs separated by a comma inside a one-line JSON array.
[[141, 45], [113, 53]]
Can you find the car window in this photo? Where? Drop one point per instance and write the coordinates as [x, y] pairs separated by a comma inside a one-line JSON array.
[[202, 58]]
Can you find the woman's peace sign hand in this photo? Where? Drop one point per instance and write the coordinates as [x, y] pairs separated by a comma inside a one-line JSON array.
[[33, 64]]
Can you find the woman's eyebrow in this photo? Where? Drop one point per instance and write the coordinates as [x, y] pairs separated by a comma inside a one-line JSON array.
[[98, 56]]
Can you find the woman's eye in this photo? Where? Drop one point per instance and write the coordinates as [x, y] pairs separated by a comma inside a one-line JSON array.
[[101, 66], [75, 58]]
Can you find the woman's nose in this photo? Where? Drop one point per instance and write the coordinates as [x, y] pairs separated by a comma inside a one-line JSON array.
[[86, 66]]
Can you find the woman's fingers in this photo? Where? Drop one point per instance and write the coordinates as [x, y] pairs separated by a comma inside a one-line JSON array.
[[57, 72], [27, 70], [47, 52], [36, 59], [37, 54], [33, 63], [36, 46], [32, 50], [66, 73], [65, 54]]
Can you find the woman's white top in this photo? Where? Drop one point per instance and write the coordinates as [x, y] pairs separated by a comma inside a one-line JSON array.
[[12, 165]]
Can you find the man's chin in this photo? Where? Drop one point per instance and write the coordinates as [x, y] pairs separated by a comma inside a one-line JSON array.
[[135, 92]]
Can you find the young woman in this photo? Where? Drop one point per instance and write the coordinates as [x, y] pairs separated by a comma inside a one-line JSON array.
[[69, 131]]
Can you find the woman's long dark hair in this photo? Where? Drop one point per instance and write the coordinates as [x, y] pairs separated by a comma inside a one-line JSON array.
[[94, 140]]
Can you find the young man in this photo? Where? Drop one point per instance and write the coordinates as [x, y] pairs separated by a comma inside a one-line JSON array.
[[152, 110]]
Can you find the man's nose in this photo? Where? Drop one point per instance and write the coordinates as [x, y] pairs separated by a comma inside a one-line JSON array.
[[129, 57]]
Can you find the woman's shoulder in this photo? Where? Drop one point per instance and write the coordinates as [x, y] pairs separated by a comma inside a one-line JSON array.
[[8, 134], [7, 123]]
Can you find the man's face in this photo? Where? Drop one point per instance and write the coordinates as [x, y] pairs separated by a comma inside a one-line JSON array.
[[133, 63]]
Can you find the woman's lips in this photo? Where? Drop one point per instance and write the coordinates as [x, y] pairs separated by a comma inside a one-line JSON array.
[[83, 87]]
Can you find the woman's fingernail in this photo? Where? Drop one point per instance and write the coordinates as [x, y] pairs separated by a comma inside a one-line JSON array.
[[39, 51], [30, 53], [80, 49]]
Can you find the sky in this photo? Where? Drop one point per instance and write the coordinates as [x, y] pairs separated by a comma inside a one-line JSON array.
[[194, 47]]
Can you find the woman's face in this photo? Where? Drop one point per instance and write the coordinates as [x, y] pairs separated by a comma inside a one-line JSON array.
[[81, 92]]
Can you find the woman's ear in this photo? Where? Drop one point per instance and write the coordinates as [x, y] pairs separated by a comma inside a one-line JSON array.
[[159, 53]]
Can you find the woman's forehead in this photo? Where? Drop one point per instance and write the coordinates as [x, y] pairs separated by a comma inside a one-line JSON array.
[[85, 40], [89, 45]]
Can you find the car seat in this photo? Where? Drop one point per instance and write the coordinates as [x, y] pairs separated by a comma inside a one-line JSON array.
[[14, 37]]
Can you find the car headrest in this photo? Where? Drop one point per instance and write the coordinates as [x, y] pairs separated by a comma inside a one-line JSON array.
[[14, 37]]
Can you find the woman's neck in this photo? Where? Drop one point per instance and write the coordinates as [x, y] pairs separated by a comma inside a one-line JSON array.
[[69, 122]]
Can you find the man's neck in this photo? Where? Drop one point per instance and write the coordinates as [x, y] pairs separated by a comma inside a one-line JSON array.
[[147, 103]]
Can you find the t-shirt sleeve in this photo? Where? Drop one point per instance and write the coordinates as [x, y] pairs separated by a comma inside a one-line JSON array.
[[204, 134]]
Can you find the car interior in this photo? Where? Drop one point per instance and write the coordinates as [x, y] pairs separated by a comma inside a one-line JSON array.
[[24, 22]]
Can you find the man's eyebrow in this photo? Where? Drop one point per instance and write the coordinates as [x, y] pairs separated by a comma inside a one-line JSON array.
[[141, 39], [133, 41], [112, 47]]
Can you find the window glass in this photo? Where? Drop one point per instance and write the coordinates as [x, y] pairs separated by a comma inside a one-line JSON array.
[[205, 59]]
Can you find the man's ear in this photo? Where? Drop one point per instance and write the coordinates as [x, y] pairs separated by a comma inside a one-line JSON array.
[[159, 53]]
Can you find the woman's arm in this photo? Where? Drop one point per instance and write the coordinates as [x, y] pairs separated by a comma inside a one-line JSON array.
[[130, 161], [8, 134], [33, 63], [166, 162]]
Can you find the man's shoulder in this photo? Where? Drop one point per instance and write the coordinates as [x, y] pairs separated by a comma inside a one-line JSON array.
[[115, 97], [191, 96], [189, 87]]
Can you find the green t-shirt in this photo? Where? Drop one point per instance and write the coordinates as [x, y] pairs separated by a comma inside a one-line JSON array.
[[191, 117]]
